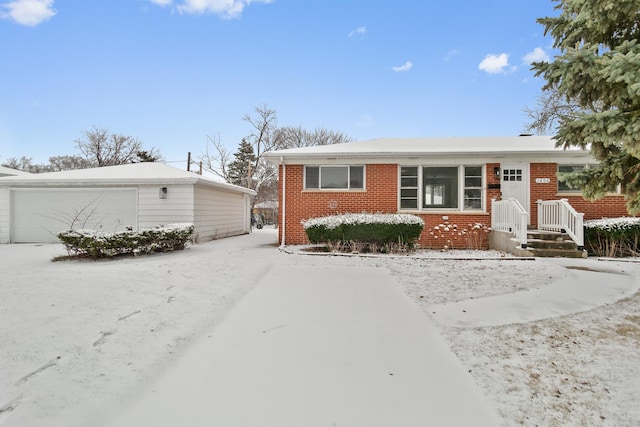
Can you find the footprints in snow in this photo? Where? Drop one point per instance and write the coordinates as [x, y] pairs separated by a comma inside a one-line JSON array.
[[103, 336], [6, 410], [31, 374], [9, 407]]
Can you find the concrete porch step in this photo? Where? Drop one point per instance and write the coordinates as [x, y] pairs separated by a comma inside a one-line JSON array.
[[552, 244], [557, 253], [547, 235]]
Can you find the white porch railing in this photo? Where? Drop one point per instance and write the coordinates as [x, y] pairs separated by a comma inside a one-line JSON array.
[[509, 215], [559, 215]]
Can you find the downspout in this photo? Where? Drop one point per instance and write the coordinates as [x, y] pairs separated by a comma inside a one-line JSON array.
[[283, 208]]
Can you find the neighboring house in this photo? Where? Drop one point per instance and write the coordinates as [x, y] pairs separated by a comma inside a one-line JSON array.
[[5, 171], [266, 211], [35, 207], [439, 179]]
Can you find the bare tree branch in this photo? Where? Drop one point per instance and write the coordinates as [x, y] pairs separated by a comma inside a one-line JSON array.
[[103, 148], [216, 158]]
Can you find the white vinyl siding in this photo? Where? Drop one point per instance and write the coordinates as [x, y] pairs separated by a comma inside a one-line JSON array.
[[177, 207], [4, 214], [220, 213], [38, 214]]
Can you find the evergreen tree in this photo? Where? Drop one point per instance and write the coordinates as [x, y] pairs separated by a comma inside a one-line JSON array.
[[599, 69], [242, 168]]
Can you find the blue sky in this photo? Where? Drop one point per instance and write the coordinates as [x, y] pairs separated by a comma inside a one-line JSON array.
[[171, 72]]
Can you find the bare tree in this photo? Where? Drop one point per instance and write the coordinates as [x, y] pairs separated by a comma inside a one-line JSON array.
[[264, 136], [216, 158], [104, 148], [64, 163], [296, 137], [553, 108], [26, 164]]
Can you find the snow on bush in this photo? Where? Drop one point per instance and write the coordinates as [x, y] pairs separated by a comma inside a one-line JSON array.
[[613, 237], [335, 221], [98, 244], [373, 232], [613, 224]]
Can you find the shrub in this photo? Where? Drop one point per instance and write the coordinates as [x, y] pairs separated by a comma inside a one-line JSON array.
[[474, 235], [384, 232], [96, 244], [613, 237]]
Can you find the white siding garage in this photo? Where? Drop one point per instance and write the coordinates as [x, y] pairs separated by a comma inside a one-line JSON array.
[[40, 214], [36, 207], [220, 214]]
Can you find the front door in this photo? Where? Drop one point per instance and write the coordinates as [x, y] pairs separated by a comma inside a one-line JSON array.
[[515, 183]]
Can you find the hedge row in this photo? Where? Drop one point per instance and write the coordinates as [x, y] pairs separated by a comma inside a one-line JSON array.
[[613, 237], [373, 229], [96, 244]]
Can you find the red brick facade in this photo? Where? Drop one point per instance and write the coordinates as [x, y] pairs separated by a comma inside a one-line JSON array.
[[381, 195], [612, 206]]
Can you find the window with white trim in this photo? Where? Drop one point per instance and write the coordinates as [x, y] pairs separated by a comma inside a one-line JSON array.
[[472, 187], [441, 188], [334, 177], [409, 187]]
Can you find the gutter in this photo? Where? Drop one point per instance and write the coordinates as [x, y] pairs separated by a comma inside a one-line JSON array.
[[284, 202]]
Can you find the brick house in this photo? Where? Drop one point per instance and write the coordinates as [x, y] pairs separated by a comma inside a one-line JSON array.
[[438, 179]]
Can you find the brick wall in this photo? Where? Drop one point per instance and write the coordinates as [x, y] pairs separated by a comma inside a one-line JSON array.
[[381, 195], [611, 206]]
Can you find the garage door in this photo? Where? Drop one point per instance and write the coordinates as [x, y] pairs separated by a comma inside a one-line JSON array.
[[38, 215]]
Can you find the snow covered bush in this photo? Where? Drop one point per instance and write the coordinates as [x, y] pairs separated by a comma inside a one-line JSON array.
[[613, 237], [384, 232], [96, 244]]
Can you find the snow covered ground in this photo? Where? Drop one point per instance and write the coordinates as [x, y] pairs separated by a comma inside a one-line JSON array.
[[82, 337]]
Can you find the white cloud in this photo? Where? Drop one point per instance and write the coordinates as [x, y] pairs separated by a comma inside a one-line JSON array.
[[495, 64], [405, 67], [451, 54], [28, 12], [228, 9], [538, 54], [358, 31]]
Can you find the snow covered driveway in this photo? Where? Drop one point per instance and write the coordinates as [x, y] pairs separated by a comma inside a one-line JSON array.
[[83, 340], [332, 348]]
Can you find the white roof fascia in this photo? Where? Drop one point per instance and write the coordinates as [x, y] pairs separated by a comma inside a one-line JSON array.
[[536, 148], [555, 157], [123, 175]]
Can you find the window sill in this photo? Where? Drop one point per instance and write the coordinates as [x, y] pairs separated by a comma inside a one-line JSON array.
[[442, 212], [335, 190]]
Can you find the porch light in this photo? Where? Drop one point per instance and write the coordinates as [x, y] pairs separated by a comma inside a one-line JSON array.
[[496, 173], [163, 192]]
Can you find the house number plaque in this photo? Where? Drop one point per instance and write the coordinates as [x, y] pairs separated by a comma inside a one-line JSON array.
[[333, 204], [543, 180]]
